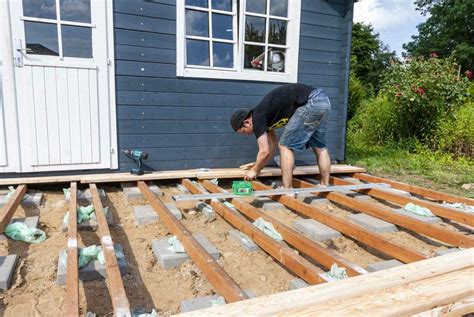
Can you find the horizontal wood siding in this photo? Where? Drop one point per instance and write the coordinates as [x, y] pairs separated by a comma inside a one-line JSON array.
[[184, 122]]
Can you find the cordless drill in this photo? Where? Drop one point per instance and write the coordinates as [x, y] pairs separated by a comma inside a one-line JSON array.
[[137, 156]]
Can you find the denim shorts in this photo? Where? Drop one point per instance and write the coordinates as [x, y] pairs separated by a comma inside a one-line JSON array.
[[308, 125]]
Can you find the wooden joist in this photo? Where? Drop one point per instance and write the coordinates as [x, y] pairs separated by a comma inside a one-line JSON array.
[[456, 308], [380, 193], [216, 275], [430, 193], [278, 250], [114, 279], [10, 207], [71, 302], [386, 214], [307, 246], [352, 230], [394, 287]]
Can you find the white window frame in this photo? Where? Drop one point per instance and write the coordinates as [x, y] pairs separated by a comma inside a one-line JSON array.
[[238, 72]]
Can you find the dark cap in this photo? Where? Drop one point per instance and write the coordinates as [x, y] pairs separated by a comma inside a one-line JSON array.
[[238, 118]]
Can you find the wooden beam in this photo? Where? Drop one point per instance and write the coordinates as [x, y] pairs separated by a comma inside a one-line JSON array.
[[352, 230], [458, 308], [309, 247], [355, 287], [114, 279], [10, 207], [384, 213], [278, 250], [71, 302], [216, 275], [430, 193], [445, 212]]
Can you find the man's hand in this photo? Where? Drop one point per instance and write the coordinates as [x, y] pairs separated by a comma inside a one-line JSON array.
[[250, 175]]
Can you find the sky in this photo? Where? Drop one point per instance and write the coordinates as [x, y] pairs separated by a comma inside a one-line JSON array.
[[394, 20]]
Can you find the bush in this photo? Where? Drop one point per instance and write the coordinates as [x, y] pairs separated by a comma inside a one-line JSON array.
[[357, 94], [423, 92]]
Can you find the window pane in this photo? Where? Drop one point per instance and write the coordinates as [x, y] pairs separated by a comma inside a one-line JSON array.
[[254, 29], [39, 8], [225, 5], [257, 6], [277, 34], [197, 3], [276, 60], [223, 55], [75, 10], [279, 7], [77, 41], [41, 38], [197, 52], [222, 26], [254, 56], [197, 23]]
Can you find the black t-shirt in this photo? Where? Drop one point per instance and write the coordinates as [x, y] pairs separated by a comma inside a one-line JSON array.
[[278, 106]]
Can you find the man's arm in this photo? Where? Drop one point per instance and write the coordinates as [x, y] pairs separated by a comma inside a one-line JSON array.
[[267, 145]]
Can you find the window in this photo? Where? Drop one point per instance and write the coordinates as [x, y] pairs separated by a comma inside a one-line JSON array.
[[238, 39], [58, 27]]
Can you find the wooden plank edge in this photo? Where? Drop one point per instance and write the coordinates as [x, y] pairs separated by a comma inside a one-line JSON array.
[[114, 278], [8, 210], [457, 308], [71, 301], [345, 289], [216, 275]]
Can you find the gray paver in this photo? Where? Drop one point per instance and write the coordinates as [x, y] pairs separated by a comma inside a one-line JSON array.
[[244, 240], [29, 200], [297, 283], [315, 230], [431, 220], [91, 224], [7, 267], [205, 301], [374, 267], [446, 251], [267, 204], [174, 210], [146, 214], [168, 259], [372, 224], [308, 198], [93, 271], [206, 210], [354, 194], [133, 192], [30, 222], [84, 197]]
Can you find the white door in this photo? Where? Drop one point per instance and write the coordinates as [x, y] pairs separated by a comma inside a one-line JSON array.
[[63, 55]]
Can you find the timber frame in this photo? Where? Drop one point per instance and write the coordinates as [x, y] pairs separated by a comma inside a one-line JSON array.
[[313, 259]]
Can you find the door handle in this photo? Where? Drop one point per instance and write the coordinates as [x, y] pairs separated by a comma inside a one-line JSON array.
[[27, 50]]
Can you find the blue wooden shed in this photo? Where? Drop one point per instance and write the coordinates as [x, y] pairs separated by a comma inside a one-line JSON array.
[[80, 83]]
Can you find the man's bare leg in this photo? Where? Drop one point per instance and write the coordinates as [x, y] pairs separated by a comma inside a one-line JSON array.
[[287, 162], [324, 163]]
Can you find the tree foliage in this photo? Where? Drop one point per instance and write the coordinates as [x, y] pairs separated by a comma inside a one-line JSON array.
[[449, 30], [370, 57]]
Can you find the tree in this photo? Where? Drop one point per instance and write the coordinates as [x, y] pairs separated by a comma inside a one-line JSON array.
[[449, 30], [369, 55]]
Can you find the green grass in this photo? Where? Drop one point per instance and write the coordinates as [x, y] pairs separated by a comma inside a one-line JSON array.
[[423, 168]]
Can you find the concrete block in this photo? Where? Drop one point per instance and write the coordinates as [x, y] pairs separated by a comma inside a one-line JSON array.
[[355, 195], [30, 222], [84, 197], [268, 204], [379, 266], [446, 251], [315, 230], [166, 257], [206, 210], [205, 301], [32, 200], [372, 224], [7, 267], [93, 271], [145, 214], [174, 210], [431, 220], [133, 192], [244, 240], [91, 224], [297, 283], [308, 198]]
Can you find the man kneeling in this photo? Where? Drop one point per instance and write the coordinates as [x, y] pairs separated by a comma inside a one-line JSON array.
[[304, 112]]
